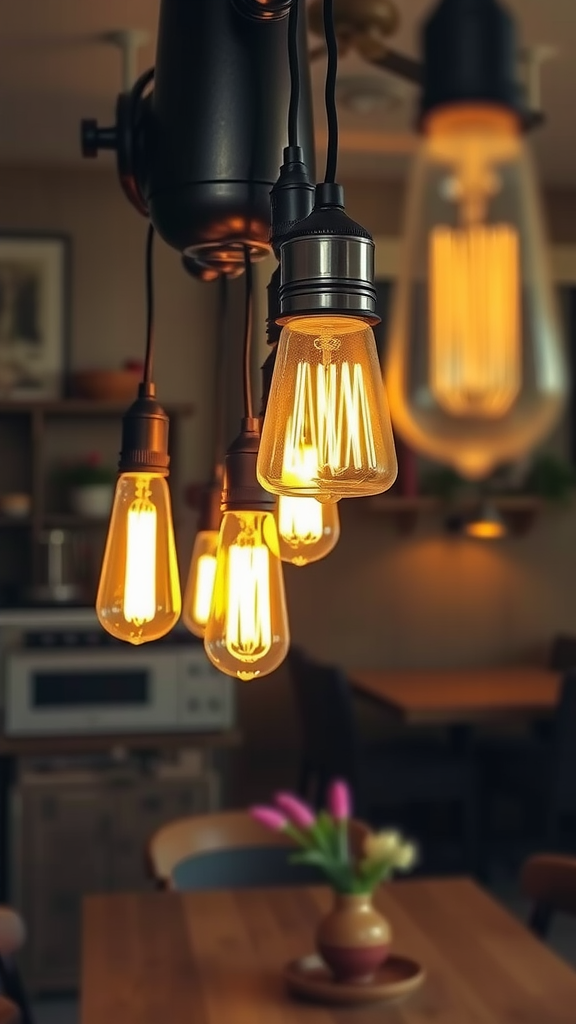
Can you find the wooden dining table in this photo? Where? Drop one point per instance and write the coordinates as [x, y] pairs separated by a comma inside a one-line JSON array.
[[454, 697], [217, 958]]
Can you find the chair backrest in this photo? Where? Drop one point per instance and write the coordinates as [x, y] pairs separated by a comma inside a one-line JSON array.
[[326, 713], [549, 880], [230, 850], [206, 833], [562, 655], [563, 796]]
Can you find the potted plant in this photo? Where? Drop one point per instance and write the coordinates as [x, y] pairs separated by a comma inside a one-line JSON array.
[[354, 938], [90, 486]]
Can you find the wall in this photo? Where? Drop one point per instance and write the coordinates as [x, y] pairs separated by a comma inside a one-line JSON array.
[[380, 599], [108, 320]]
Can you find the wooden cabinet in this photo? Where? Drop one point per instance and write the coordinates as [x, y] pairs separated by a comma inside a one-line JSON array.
[[80, 837]]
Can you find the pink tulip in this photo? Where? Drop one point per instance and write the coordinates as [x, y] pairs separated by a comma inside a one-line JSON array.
[[295, 810], [269, 817], [339, 800]]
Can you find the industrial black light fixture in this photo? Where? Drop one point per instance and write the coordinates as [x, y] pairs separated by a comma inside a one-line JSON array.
[[327, 433], [199, 138], [475, 363], [139, 591], [247, 632]]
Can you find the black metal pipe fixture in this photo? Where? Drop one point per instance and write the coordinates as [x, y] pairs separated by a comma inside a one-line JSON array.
[[200, 152]]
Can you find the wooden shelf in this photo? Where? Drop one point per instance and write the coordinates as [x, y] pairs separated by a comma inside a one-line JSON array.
[[67, 520], [49, 746], [518, 509], [9, 522]]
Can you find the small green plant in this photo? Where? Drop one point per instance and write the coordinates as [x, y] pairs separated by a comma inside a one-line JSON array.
[[90, 472]]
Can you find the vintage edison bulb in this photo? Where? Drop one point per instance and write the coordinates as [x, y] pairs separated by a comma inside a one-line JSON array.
[[247, 631], [307, 529], [327, 408], [139, 592], [200, 583], [475, 366]]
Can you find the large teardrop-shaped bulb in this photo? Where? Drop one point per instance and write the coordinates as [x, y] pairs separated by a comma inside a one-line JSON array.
[[327, 432], [139, 592], [475, 365], [200, 583], [247, 632]]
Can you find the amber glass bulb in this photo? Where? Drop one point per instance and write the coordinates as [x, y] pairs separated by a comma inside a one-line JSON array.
[[327, 432], [200, 584], [475, 364], [308, 530], [247, 631], [139, 592]]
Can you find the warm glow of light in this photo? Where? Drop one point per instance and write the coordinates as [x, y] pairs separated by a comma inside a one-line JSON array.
[[200, 582], [300, 520], [330, 404], [139, 591], [204, 588], [247, 629], [475, 329], [475, 361], [485, 530], [140, 572], [308, 530], [326, 433], [248, 620]]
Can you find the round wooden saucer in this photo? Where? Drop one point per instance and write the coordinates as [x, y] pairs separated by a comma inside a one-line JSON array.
[[310, 977]]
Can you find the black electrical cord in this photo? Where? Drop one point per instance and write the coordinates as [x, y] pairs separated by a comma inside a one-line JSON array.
[[294, 65], [330, 91], [220, 376], [248, 404], [149, 357]]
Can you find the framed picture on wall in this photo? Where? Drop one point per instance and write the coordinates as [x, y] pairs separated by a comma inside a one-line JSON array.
[[34, 315]]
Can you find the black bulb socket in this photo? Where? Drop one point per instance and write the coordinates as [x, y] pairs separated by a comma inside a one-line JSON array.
[[470, 56], [327, 263], [145, 435], [291, 197], [209, 513], [273, 329], [267, 370], [241, 491]]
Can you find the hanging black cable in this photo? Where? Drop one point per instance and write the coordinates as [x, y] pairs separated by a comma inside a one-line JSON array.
[[149, 357], [220, 375], [145, 424], [248, 404], [330, 92], [294, 65]]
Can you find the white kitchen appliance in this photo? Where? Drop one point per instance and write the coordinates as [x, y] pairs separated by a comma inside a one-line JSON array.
[[83, 690]]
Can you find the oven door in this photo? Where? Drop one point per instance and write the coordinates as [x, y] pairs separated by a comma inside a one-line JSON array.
[[74, 692]]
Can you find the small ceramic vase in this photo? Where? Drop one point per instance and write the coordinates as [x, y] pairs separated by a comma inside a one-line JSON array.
[[354, 939]]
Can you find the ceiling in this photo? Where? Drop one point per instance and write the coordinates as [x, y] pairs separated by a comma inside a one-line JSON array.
[[54, 70]]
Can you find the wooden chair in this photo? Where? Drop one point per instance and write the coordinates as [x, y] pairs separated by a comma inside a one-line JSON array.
[[9, 1012], [228, 850], [549, 880], [14, 1003], [562, 656], [383, 775]]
